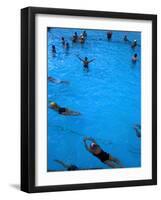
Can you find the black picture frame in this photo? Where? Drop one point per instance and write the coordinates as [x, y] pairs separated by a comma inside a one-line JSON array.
[[28, 98]]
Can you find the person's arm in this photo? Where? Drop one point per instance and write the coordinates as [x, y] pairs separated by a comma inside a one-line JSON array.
[[138, 125], [62, 163], [64, 82], [90, 139], [92, 60], [138, 133], [85, 144], [80, 58]]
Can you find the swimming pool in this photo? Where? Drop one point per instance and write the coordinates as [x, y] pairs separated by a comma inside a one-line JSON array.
[[108, 97]]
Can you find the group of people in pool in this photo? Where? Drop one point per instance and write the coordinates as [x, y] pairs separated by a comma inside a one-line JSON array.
[[134, 44], [135, 56], [93, 146], [82, 38], [75, 38]]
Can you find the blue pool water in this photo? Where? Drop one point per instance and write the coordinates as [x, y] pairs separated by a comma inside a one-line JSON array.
[[108, 98]]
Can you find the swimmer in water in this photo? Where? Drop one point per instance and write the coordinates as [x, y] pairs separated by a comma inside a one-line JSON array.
[[63, 41], [98, 152], [134, 44], [62, 110], [137, 128], [126, 38], [81, 39], [109, 35], [135, 58], [53, 49], [66, 46], [68, 167], [85, 62], [75, 37], [57, 81], [85, 34]]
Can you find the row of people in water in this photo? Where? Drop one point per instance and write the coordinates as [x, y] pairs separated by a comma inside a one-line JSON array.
[[85, 61], [134, 44], [83, 36], [95, 149], [81, 39], [75, 38]]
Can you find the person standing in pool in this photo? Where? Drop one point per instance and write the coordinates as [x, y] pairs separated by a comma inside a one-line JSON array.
[[134, 44], [63, 41], [85, 62], [68, 167], [53, 49], [81, 39], [66, 46], [85, 34], [135, 58], [109, 35], [99, 153], [75, 37], [62, 110], [126, 38]]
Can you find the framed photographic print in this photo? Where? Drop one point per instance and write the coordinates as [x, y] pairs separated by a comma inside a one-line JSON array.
[[88, 99]]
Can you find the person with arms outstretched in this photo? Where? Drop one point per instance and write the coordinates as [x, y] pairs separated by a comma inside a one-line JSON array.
[[85, 62], [99, 153]]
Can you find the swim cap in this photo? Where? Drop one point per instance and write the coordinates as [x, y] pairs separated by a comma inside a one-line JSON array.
[[93, 145], [53, 104]]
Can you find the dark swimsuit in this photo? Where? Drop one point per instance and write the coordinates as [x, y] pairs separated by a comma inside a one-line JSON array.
[[102, 156], [85, 65], [109, 35], [74, 39], [61, 110]]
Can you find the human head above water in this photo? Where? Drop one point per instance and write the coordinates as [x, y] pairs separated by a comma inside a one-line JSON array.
[[54, 105], [93, 146]]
